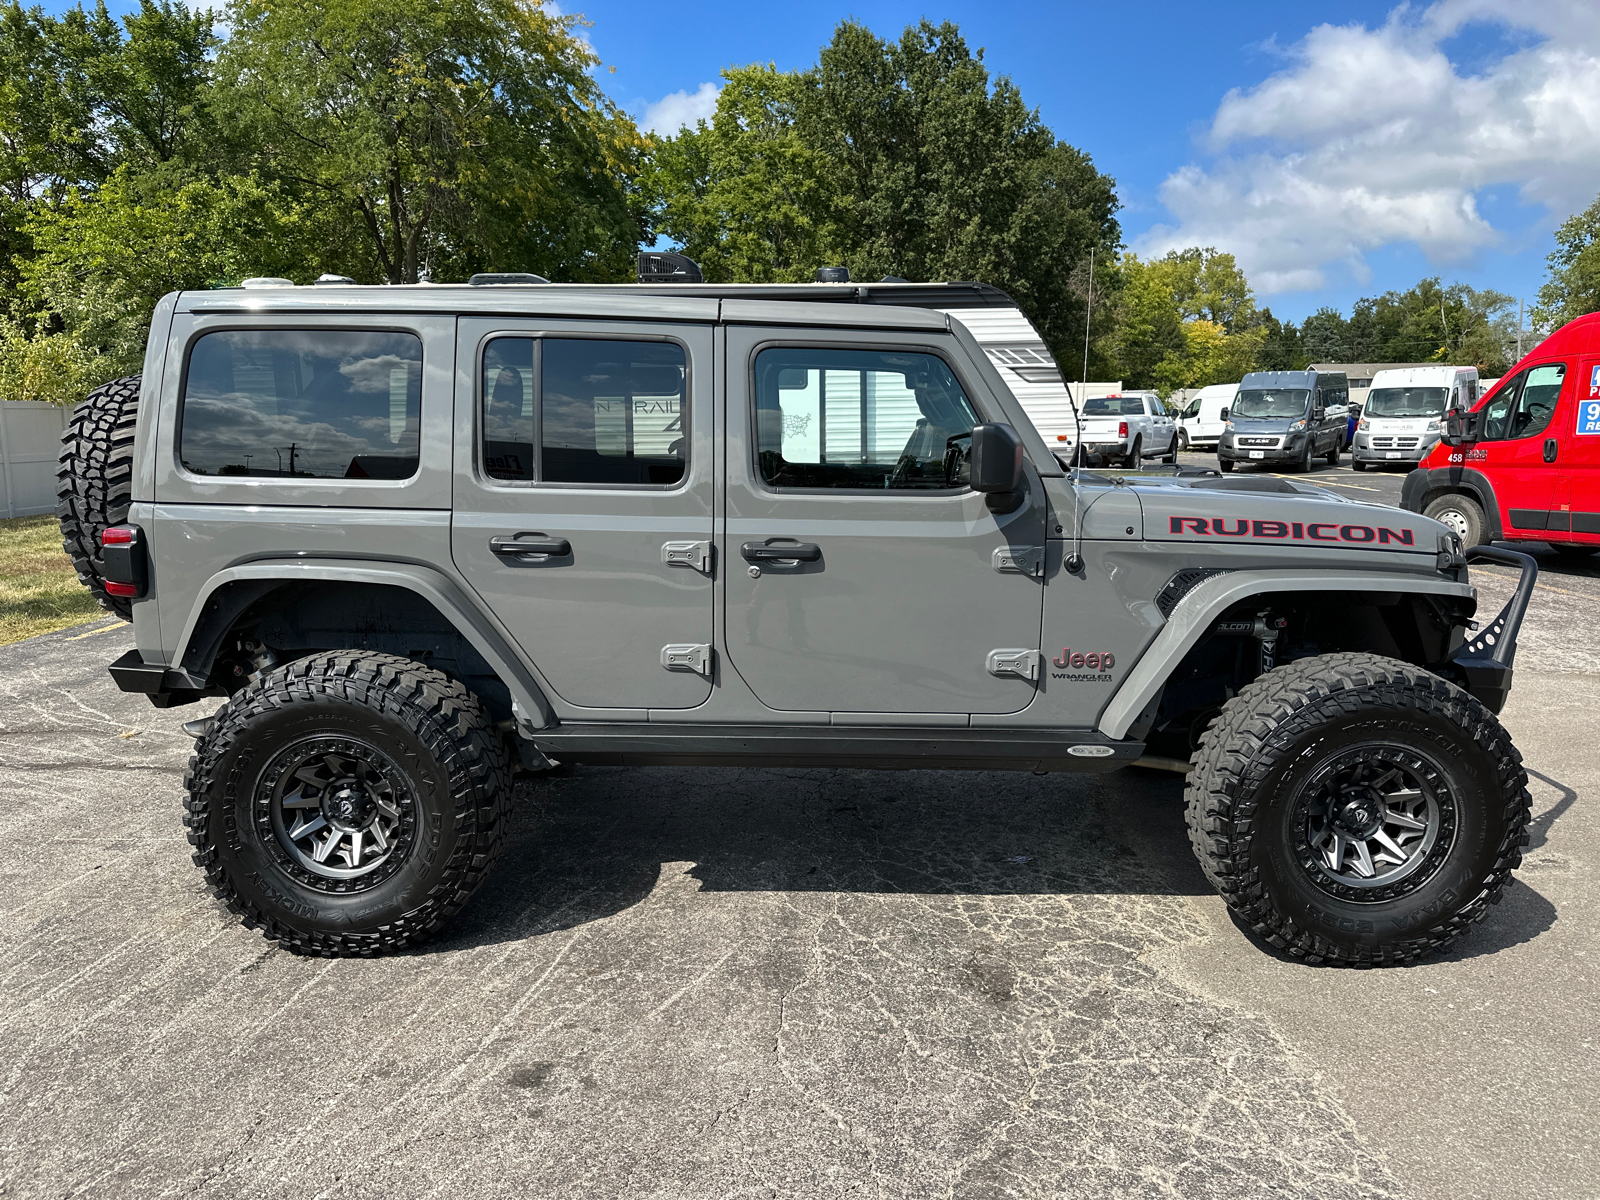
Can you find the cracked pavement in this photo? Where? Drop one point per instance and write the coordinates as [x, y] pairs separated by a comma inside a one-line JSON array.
[[754, 983]]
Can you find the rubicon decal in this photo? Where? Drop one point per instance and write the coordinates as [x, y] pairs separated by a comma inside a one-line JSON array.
[[1095, 666], [1303, 531]]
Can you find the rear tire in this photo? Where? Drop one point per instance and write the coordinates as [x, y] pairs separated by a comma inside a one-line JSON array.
[[1461, 515], [348, 803], [1135, 457], [1355, 810], [94, 481], [1333, 455]]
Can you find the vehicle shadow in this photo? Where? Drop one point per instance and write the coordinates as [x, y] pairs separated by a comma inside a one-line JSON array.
[[587, 843]]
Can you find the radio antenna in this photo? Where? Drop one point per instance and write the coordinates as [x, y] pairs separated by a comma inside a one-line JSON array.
[[1074, 563]]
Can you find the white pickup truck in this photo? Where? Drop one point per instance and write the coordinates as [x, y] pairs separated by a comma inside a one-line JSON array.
[[1124, 429]]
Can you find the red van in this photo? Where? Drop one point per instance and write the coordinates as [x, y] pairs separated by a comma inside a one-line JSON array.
[[1525, 462]]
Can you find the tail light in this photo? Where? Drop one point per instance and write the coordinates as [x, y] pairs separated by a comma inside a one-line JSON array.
[[1122, 429], [124, 566]]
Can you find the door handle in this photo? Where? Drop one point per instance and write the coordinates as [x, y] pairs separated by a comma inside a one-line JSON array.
[[531, 548], [1550, 448], [757, 552]]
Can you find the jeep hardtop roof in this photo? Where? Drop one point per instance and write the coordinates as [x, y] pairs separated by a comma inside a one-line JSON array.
[[882, 305]]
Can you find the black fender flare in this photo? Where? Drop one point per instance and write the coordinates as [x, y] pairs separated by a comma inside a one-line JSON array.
[[1425, 481], [229, 592]]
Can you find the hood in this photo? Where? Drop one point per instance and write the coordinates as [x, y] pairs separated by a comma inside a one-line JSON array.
[[1264, 424], [1402, 425], [1258, 511]]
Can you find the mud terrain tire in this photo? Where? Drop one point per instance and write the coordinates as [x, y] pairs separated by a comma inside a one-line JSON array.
[[1296, 752], [94, 481], [402, 739]]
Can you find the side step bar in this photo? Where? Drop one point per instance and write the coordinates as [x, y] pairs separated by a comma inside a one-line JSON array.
[[1084, 750]]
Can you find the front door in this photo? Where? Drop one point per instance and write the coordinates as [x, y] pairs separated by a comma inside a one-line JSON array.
[[902, 585], [583, 501], [1517, 448]]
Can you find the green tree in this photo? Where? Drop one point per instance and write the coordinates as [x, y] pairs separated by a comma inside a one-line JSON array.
[[900, 158], [452, 135], [1207, 285], [1281, 348], [1573, 287], [747, 196], [103, 258]]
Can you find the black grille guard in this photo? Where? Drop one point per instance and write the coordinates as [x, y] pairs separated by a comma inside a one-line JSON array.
[[1485, 662]]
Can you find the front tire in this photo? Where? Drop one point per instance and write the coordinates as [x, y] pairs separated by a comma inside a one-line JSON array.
[[1225, 465], [1171, 456], [1183, 441], [1355, 810], [1461, 515], [348, 803]]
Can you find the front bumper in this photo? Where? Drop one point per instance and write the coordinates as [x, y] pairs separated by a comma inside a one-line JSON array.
[[1288, 449], [1363, 451], [1483, 665]]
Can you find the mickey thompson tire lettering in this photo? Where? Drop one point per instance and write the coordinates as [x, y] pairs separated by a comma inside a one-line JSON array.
[[450, 768], [1259, 761]]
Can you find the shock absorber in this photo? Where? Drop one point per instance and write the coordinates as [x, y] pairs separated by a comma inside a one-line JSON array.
[[1265, 628]]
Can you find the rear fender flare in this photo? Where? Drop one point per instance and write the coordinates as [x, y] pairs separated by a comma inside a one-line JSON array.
[[1198, 611], [201, 635]]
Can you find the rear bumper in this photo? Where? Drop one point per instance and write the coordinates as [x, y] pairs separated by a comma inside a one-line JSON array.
[[167, 687]]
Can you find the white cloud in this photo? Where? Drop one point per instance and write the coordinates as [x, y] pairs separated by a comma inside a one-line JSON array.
[[677, 109], [1373, 137]]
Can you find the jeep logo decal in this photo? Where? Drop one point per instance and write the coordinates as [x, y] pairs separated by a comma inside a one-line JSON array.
[[1095, 666], [1316, 531]]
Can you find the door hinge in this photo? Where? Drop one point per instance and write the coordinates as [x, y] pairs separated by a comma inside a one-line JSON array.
[[1024, 664], [696, 555], [1019, 560], [695, 659]]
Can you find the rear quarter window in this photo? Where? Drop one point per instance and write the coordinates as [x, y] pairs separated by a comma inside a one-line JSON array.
[[302, 404]]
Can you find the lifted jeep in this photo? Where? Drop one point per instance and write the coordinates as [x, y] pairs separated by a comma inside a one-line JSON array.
[[421, 537]]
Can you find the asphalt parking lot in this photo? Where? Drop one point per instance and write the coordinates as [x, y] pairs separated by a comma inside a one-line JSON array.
[[758, 983]]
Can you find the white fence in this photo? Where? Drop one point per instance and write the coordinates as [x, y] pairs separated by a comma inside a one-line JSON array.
[[30, 443]]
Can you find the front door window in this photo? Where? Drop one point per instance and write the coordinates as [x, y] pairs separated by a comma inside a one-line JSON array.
[[1524, 407]]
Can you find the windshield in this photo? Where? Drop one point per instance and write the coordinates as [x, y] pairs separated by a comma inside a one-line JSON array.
[[1114, 406], [1271, 402], [1407, 402]]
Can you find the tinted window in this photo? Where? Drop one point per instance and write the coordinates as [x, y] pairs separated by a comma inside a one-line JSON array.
[[1406, 401], [303, 403], [1525, 405], [860, 419], [1114, 406], [1270, 402], [599, 410]]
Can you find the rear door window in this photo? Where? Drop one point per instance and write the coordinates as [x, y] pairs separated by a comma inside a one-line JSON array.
[[606, 411], [302, 404]]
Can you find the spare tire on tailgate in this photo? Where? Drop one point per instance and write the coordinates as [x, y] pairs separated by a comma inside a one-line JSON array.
[[94, 483]]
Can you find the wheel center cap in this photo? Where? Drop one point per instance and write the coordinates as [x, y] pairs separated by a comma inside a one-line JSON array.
[[349, 806], [1359, 814]]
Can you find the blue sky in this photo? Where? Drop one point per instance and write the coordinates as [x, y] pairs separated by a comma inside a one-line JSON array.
[[1338, 149]]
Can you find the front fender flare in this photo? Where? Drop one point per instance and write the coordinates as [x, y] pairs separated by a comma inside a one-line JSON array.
[[1199, 610], [433, 586]]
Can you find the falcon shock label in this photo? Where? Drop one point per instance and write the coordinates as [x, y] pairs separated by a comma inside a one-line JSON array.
[[1303, 531]]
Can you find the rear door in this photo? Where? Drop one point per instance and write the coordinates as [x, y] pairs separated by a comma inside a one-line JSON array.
[[848, 449], [1161, 424], [583, 501]]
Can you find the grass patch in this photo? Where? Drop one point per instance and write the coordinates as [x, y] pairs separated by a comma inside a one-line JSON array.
[[39, 591]]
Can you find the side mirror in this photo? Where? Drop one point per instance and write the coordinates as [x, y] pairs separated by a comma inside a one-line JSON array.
[[1319, 414], [1461, 427], [1224, 414], [996, 464]]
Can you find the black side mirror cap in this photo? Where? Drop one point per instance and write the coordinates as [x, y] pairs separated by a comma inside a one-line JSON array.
[[1225, 414], [996, 463], [995, 468], [1461, 427]]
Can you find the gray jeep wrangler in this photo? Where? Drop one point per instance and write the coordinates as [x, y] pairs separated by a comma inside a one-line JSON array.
[[424, 538]]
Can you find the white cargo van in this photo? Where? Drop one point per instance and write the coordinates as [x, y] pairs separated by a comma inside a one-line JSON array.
[[1404, 413], [1202, 420]]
